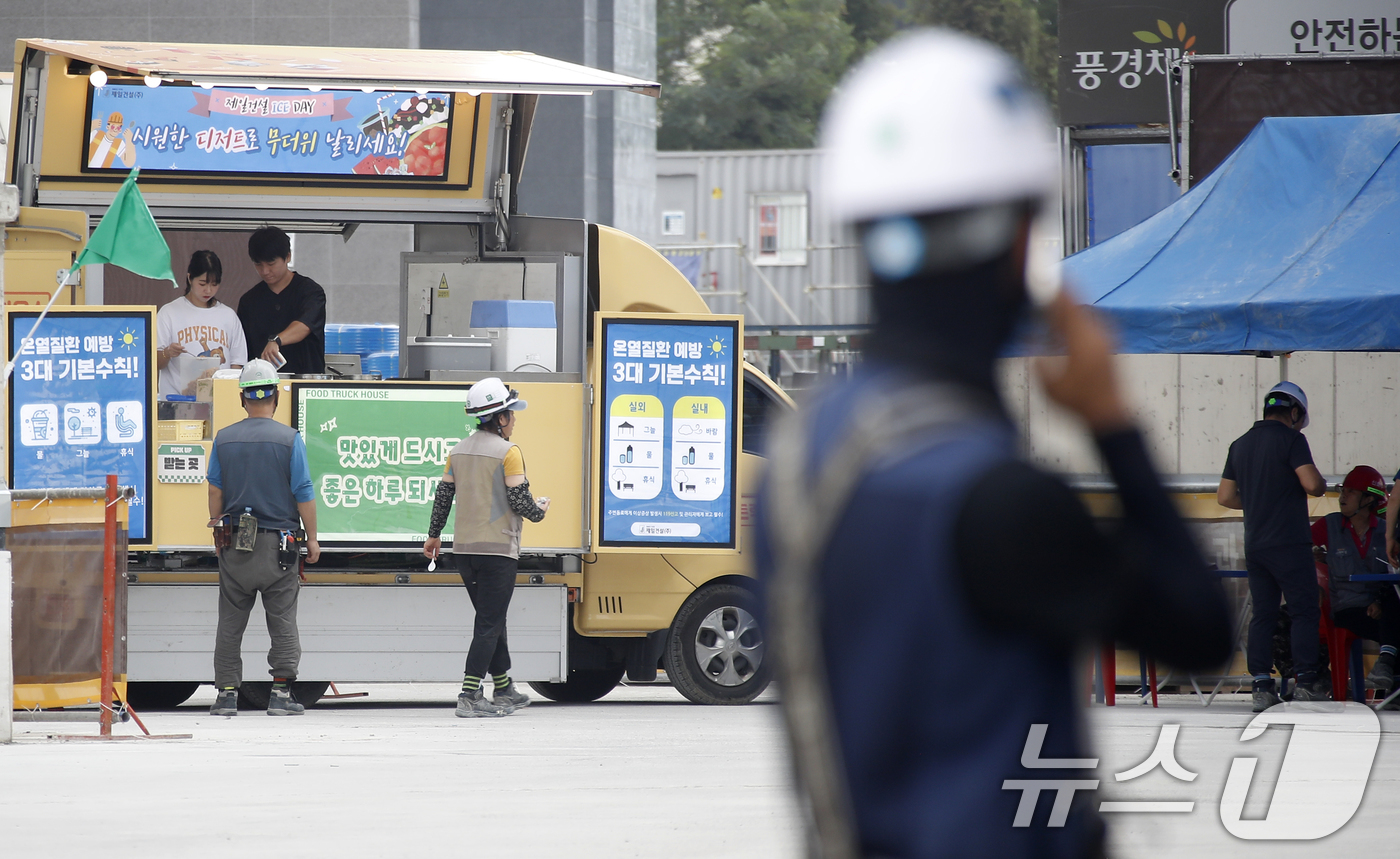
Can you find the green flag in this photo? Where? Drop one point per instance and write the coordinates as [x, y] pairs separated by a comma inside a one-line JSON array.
[[128, 236]]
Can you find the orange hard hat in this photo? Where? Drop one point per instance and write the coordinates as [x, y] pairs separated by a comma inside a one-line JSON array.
[[116, 117]]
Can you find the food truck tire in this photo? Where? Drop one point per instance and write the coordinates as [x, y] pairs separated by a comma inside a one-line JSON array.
[[715, 654], [149, 695], [253, 696], [583, 685]]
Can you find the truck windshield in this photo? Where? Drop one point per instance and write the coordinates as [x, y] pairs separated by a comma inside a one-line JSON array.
[[759, 408]]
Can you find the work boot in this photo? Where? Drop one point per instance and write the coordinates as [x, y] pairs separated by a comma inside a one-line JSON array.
[[1265, 697], [510, 698], [1316, 689], [281, 703], [1382, 675], [473, 704], [226, 704]]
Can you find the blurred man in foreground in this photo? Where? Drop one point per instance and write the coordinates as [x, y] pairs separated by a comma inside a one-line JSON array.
[[927, 588]]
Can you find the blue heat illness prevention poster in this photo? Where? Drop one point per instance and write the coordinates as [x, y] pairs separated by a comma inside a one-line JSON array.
[[669, 413], [80, 404], [398, 135]]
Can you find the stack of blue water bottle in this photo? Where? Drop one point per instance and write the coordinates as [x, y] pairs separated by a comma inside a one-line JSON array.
[[377, 346]]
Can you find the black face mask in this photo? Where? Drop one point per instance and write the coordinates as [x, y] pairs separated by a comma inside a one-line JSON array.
[[952, 325]]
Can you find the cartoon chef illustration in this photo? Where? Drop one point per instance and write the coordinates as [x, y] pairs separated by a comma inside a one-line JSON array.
[[110, 143]]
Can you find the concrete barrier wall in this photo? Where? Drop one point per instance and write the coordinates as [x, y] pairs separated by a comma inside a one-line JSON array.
[[1192, 406]]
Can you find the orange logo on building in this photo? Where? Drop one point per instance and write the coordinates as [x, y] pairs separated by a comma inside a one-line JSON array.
[[1179, 36]]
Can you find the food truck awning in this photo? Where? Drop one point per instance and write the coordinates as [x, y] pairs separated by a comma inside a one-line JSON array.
[[294, 66]]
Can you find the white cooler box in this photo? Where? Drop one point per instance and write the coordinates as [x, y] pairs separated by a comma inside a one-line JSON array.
[[522, 334]]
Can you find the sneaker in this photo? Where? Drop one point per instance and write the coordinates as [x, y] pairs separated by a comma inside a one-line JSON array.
[[1382, 675], [1264, 698], [281, 703], [1317, 690], [474, 704], [226, 704], [510, 698]]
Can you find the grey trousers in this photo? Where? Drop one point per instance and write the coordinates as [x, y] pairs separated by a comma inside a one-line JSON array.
[[243, 575]]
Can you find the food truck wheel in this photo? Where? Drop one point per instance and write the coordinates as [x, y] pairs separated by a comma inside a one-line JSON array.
[[715, 654], [158, 696], [253, 696], [583, 685]]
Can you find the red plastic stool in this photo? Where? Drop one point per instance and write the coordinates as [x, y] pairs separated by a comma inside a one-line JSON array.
[[1343, 651]]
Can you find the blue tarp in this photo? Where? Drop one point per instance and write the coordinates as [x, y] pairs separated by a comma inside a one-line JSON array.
[[688, 263], [1290, 245]]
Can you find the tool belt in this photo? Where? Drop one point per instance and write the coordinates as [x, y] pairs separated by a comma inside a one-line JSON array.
[[223, 535], [291, 545], [291, 548]]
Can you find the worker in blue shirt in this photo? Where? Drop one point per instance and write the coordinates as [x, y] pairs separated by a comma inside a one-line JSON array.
[[927, 588], [260, 496]]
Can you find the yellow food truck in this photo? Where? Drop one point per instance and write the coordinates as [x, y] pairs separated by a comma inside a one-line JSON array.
[[643, 415]]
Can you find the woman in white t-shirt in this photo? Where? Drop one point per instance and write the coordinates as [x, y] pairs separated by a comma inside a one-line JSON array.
[[195, 330]]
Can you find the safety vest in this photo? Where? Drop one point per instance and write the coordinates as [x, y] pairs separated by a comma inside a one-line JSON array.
[[485, 524], [931, 708], [105, 150], [255, 459], [1343, 561]]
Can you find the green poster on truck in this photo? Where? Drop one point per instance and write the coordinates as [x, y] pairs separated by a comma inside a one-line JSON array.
[[377, 453]]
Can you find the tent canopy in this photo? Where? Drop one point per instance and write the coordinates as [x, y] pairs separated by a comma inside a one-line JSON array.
[[382, 68], [1293, 243]]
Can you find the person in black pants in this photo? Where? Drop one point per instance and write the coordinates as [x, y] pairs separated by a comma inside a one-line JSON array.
[[485, 474], [1269, 474]]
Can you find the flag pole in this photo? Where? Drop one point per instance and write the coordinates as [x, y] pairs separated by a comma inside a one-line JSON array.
[[109, 233], [68, 280]]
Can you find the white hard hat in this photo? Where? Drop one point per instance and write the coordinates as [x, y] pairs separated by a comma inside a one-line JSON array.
[[258, 374], [1292, 396], [935, 121], [491, 395]]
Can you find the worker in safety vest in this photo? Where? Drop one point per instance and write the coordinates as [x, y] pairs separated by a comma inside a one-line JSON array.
[[110, 141], [485, 474], [925, 639], [1352, 542], [260, 497]]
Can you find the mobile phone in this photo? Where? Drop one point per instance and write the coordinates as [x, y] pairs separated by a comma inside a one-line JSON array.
[[1043, 278]]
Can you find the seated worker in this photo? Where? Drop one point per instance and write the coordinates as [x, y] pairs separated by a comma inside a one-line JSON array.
[[1352, 542]]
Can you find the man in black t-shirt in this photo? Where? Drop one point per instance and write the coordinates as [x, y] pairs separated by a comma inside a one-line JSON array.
[[1269, 473], [285, 315]]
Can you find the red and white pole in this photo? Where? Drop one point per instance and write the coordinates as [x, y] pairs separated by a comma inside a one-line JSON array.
[[1110, 672], [109, 603], [7, 666]]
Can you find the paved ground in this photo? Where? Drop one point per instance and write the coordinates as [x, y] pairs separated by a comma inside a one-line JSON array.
[[641, 773], [1208, 742]]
